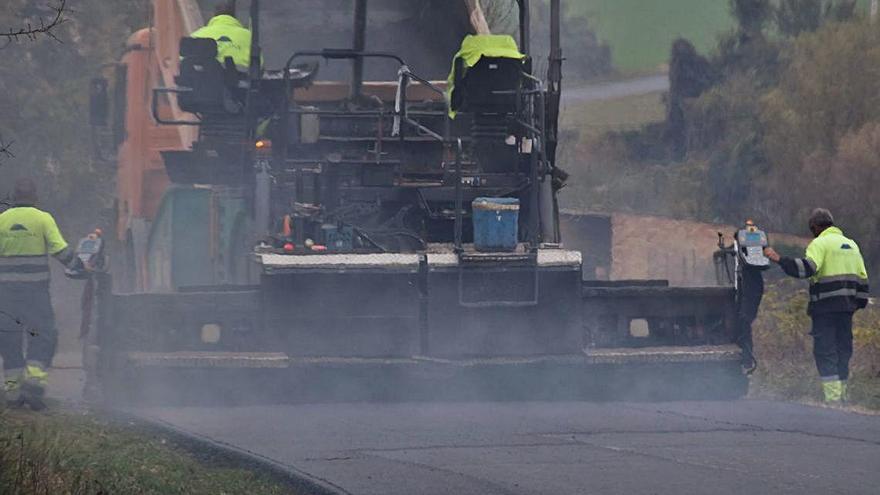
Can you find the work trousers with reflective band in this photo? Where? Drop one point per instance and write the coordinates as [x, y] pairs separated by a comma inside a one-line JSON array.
[[26, 310], [832, 345]]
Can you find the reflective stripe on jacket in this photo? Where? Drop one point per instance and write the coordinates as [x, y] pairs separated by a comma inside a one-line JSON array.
[[836, 269], [233, 39], [27, 236]]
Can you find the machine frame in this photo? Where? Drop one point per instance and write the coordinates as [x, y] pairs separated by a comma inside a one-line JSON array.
[[448, 322]]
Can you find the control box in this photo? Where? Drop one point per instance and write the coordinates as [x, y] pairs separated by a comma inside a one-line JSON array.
[[751, 242]]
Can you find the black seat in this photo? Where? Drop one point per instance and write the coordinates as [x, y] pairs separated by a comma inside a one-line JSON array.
[[490, 86], [212, 87]]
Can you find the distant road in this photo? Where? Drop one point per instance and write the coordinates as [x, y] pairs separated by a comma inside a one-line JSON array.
[[616, 89], [568, 448]]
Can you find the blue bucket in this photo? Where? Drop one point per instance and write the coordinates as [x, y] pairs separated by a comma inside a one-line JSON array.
[[496, 224]]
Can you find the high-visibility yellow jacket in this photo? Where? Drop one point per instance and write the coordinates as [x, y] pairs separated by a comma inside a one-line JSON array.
[[27, 236], [836, 269], [233, 39]]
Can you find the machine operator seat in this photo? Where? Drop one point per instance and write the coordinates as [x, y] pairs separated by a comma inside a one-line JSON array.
[[213, 88], [487, 74], [489, 87]]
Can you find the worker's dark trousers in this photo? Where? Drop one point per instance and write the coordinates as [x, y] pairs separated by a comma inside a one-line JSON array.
[[832, 344], [751, 293], [26, 309]]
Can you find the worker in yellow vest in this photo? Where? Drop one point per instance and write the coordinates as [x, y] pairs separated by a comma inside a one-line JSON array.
[[27, 237], [233, 39], [838, 288]]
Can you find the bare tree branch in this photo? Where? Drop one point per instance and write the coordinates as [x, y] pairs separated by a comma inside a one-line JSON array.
[[6, 150], [33, 31]]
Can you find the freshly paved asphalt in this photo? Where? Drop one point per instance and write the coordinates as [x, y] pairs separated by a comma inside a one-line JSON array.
[[750, 447]]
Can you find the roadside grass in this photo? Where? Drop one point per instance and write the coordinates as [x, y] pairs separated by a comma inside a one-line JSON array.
[[594, 118], [784, 350], [68, 453], [603, 179]]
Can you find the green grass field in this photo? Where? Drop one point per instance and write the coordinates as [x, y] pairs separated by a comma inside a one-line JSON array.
[[641, 32]]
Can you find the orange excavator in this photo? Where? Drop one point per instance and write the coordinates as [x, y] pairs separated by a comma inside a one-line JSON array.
[[368, 213]]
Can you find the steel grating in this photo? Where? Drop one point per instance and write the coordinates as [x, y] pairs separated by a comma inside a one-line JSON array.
[[208, 359], [693, 354]]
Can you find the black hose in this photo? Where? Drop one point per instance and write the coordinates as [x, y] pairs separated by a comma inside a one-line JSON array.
[[368, 238], [402, 233]]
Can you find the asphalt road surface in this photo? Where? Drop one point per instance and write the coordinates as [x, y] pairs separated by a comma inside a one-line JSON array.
[[744, 447], [616, 89]]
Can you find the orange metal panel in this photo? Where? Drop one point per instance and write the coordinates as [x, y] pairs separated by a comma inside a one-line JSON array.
[[152, 61]]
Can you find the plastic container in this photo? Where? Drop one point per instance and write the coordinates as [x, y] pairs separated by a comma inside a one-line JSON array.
[[496, 224]]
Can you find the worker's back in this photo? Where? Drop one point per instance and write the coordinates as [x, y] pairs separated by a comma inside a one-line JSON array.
[[27, 235], [839, 255], [840, 280], [233, 39]]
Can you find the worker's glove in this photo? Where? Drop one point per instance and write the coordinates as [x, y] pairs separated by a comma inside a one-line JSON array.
[[771, 253]]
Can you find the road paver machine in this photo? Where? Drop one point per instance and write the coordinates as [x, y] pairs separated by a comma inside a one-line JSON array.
[[313, 227]]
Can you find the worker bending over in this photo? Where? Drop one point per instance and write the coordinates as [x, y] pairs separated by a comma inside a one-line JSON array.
[[838, 288], [233, 39], [27, 236]]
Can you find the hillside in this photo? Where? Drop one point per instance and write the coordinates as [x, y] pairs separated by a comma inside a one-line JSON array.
[[641, 31]]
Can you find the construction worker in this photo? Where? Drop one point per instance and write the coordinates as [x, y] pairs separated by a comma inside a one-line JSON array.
[[838, 287], [751, 289], [27, 236], [233, 39]]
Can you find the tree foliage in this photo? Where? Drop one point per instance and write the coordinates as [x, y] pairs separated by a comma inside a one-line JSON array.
[[43, 98], [751, 16], [690, 74], [794, 17], [811, 137], [789, 120], [823, 130]]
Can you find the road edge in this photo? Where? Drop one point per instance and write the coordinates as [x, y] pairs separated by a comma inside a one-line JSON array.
[[297, 479]]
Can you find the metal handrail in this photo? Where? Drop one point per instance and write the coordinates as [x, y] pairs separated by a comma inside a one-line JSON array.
[[458, 198], [404, 70], [154, 107], [538, 158], [407, 74]]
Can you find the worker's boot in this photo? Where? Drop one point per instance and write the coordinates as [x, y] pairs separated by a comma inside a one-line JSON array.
[[33, 388], [833, 390], [844, 392], [748, 363], [11, 389]]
